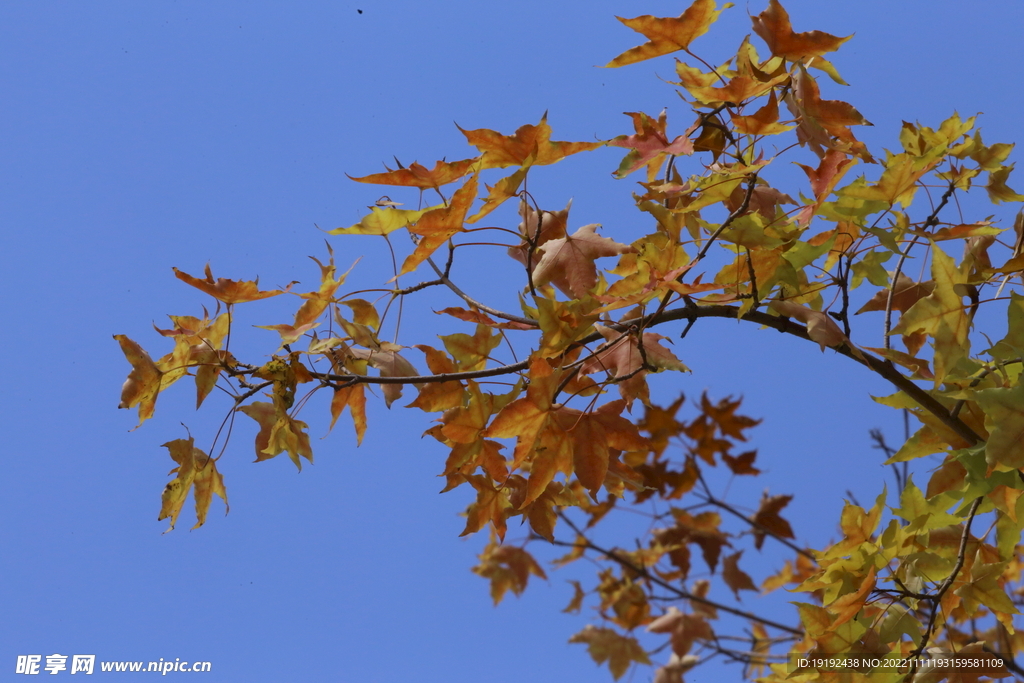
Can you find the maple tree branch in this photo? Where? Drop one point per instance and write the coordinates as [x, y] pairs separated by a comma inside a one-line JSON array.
[[883, 368], [710, 499], [946, 585], [416, 288], [753, 282], [740, 210], [682, 594], [929, 222], [445, 280], [985, 372]]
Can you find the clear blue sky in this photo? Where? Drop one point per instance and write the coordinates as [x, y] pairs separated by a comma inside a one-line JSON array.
[[141, 136]]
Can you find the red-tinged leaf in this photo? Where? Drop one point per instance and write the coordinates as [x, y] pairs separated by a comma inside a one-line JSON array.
[[143, 383], [229, 291], [737, 579], [437, 226], [820, 327], [607, 645], [195, 468], [742, 463], [831, 169], [767, 516], [775, 29], [668, 34], [824, 123], [906, 294], [530, 145], [279, 432], [568, 262], [354, 398], [621, 357], [650, 144], [444, 172]]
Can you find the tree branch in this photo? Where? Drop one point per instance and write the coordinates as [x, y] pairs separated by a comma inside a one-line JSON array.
[[682, 594]]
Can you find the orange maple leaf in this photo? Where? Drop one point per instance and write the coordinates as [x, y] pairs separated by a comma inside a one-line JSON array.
[[593, 436], [737, 579], [229, 291], [508, 568], [767, 516], [529, 146], [438, 225], [444, 172], [764, 121], [607, 645], [525, 417], [775, 29], [667, 34]]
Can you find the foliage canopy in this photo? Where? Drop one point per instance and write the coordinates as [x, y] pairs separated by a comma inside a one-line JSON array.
[[546, 412]]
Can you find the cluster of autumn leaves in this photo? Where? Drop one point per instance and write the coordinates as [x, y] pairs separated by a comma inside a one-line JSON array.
[[567, 415]]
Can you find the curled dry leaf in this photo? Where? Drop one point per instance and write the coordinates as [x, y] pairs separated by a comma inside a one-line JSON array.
[[820, 327]]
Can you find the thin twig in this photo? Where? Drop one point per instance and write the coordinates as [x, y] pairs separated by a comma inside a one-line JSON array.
[[642, 571], [929, 222], [443, 277], [946, 585]]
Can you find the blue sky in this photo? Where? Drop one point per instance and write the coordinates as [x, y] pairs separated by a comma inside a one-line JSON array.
[[141, 136]]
